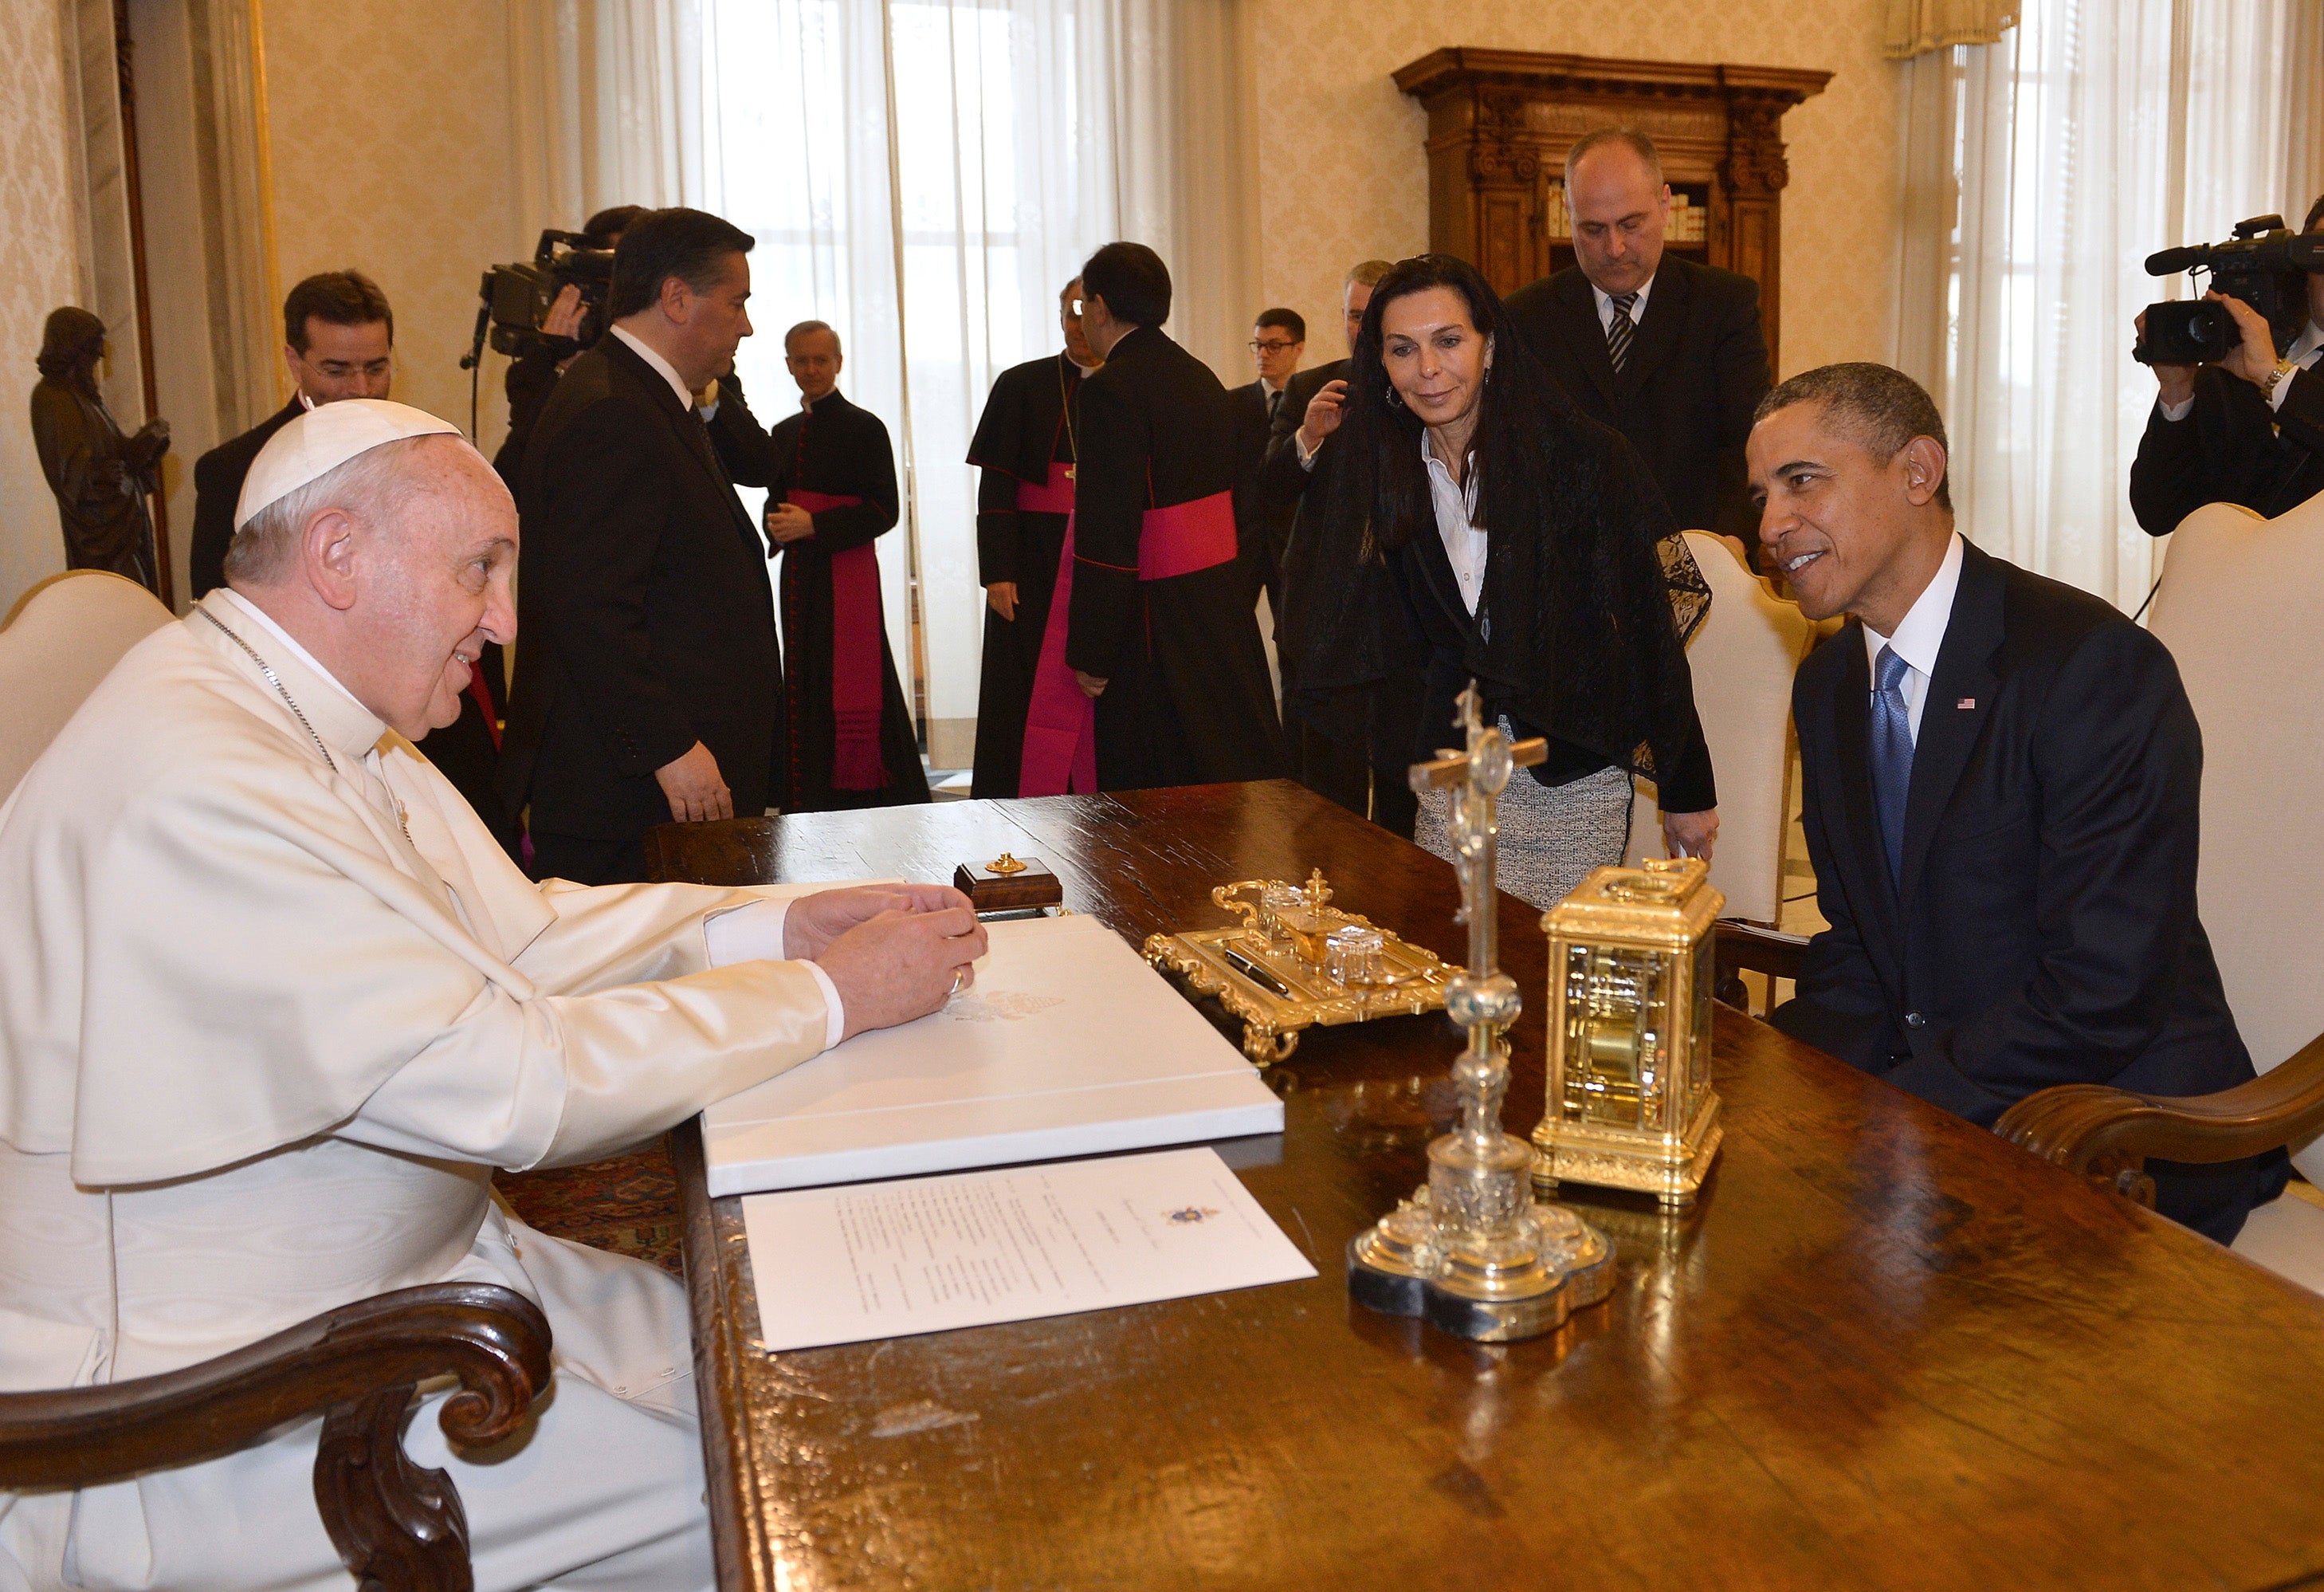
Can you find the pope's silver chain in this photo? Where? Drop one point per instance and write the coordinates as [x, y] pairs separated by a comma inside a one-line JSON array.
[[275, 681]]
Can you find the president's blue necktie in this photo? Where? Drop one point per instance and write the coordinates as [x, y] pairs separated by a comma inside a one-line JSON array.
[[1892, 757]]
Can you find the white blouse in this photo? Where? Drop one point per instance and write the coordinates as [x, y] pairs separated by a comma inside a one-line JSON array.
[[1456, 515]]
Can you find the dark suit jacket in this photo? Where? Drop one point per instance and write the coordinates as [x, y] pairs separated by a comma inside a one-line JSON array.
[[645, 618], [2228, 449], [2046, 930], [1261, 526], [1697, 369], [218, 475]]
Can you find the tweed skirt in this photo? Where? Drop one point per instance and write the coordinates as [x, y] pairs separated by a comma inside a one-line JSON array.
[[1550, 836]]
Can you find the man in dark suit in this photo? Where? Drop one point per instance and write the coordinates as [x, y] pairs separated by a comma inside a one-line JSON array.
[[649, 685], [2003, 777], [1351, 695], [1277, 341], [1667, 352], [2248, 430]]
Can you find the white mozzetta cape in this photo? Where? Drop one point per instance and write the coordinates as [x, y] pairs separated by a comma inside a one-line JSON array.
[[258, 1053]]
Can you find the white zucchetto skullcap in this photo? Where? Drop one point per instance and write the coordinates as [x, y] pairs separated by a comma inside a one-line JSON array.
[[322, 439]]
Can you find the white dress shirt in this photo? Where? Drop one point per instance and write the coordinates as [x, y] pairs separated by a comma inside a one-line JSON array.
[[662, 367], [1921, 636], [2303, 353], [1456, 515], [1605, 301]]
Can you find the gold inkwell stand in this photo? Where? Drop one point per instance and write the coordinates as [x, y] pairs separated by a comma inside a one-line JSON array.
[[1630, 1103], [1296, 961]]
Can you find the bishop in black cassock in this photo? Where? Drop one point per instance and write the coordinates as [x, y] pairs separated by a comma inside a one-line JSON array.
[[1023, 449], [1151, 611], [851, 739]]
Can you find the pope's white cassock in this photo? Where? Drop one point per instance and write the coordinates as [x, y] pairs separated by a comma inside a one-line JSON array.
[[261, 1048]]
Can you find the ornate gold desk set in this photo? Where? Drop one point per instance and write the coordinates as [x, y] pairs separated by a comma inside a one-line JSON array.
[[1629, 1104], [1295, 960]]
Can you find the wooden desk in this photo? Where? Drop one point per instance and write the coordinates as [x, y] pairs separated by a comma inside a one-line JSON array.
[[1886, 1349]]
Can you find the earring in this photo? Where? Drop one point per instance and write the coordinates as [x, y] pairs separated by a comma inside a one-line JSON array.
[[1394, 398]]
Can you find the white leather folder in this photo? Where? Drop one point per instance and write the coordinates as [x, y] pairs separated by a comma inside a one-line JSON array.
[[1066, 1044]]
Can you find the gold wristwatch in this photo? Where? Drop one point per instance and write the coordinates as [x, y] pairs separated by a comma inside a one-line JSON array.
[[2276, 378]]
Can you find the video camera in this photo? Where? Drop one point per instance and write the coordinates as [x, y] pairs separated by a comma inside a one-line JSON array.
[[2266, 266], [517, 298]]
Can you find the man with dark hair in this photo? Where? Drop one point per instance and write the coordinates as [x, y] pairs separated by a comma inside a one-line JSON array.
[[1151, 670], [1350, 703], [2003, 777], [338, 341], [532, 374], [1024, 447], [1278, 339], [831, 476], [649, 682], [1669, 353], [2247, 430]]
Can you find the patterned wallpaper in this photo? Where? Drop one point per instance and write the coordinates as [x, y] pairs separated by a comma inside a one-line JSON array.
[[390, 127], [40, 268], [1343, 177]]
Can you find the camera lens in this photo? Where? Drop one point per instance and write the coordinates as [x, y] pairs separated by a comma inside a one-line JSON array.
[[2186, 331]]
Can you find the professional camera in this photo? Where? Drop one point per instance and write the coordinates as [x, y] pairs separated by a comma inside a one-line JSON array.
[[2265, 266], [517, 298]]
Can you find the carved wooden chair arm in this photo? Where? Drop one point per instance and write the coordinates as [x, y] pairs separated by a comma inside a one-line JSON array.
[[393, 1524], [1745, 946], [2107, 1133]]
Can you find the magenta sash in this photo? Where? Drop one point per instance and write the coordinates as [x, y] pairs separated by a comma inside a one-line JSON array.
[[1060, 755], [1052, 497], [857, 682]]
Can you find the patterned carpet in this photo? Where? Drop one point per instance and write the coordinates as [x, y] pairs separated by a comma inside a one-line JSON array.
[[628, 1205]]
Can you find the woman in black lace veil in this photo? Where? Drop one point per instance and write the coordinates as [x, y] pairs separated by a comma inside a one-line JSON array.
[[1535, 556]]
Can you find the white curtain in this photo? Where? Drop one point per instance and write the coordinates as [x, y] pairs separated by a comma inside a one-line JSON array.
[[2039, 172]]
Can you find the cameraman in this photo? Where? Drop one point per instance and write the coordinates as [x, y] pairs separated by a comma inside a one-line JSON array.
[[532, 374], [2248, 429]]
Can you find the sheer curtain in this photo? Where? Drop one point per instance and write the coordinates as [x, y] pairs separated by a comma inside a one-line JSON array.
[[2039, 172]]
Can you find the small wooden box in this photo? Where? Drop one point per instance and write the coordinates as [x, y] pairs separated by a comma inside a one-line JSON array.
[[1025, 889]]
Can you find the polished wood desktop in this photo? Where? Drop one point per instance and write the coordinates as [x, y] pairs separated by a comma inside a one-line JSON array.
[[1885, 1349]]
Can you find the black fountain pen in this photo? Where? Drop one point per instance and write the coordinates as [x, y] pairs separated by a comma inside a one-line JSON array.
[[1256, 974]]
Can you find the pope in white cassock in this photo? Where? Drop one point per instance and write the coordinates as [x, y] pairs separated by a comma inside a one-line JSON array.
[[273, 1003]]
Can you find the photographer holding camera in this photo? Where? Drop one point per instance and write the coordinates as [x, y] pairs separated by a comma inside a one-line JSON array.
[[532, 374], [2246, 426]]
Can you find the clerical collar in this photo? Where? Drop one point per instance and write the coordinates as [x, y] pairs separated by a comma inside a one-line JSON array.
[[1087, 370], [341, 720], [663, 367]]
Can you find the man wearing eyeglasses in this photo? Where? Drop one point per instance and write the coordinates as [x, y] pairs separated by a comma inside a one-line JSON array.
[[1277, 342]]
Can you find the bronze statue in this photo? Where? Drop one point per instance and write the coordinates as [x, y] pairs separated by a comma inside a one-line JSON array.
[[100, 476]]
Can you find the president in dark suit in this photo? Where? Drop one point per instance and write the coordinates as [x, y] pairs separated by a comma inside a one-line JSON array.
[[1667, 352], [2002, 779], [649, 687]]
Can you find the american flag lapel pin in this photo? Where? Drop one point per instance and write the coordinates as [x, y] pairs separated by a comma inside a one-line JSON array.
[[1967, 704]]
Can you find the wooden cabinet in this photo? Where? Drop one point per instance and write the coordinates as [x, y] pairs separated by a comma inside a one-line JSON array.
[[1500, 121]]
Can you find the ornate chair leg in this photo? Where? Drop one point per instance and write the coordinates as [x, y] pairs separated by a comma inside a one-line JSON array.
[[398, 1528]]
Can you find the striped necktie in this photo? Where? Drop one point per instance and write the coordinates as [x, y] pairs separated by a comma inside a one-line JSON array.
[[1622, 329]]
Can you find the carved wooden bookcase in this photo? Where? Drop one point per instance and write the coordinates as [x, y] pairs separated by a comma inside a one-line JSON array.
[[1500, 121]]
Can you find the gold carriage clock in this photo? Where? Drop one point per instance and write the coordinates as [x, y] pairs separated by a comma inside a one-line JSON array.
[[1629, 1104]]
